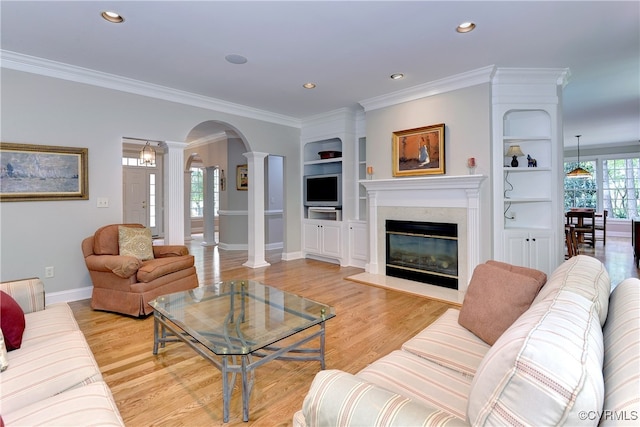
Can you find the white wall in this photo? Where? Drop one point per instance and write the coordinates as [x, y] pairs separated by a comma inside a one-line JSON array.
[[466, 114], [49, 111]]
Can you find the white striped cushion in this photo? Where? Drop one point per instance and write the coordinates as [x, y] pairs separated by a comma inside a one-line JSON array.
[[55, 320], [91, 405], [28, 293], [42, 369], [4, 361], [545, 369], [420, 380], [447, 343], [583, 275], [337, 398], [622, 356]]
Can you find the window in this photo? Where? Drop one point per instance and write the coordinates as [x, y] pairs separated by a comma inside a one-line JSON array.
[[621, 187], [197, 192], [614, 186], [152, 200]]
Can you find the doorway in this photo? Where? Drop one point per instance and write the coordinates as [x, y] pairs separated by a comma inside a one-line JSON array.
[[142, 190]]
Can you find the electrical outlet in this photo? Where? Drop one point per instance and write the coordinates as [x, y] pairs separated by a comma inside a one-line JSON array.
[[48, 272], [103, 202]]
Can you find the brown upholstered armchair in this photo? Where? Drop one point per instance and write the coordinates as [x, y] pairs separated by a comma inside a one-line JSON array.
[[125, 284]]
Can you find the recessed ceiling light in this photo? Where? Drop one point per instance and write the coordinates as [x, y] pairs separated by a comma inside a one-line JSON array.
[[112, 17], [397, 76], [465, 27], [309, 85], [236, 59]]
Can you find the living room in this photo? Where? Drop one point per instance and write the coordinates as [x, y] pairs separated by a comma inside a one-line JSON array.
[[48, 102]]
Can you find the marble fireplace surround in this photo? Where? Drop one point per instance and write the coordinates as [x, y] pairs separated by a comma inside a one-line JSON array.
[[451, 199]]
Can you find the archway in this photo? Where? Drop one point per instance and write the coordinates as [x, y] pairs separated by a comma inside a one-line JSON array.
[[223, 150]]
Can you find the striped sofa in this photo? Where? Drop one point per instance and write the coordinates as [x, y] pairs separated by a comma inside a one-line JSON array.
[[53, 378], [573, 358]]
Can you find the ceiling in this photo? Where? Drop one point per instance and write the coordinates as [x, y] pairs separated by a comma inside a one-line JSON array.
[[348, 49]]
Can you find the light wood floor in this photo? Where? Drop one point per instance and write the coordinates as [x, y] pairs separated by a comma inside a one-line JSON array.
[[179, 388]]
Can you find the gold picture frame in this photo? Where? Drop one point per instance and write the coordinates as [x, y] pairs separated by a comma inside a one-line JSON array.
[[419, 151], [242, 178], [31, 172]]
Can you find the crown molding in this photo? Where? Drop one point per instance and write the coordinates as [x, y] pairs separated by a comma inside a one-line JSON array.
[[59, 70], [447, 84]]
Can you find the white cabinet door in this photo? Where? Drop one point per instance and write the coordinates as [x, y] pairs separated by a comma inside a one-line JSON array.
[[358, 241], [541, 251], [323, 238], [516, 248], [332, 239], [312, 237], [530, 248]]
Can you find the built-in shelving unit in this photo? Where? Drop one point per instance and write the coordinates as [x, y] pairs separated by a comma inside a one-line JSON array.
[[526, 113], [313, 164], [362, 174]]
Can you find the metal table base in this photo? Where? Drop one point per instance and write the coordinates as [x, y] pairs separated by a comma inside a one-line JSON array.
[[228, 365]]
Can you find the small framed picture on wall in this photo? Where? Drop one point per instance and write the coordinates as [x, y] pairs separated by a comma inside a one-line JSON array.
[[242, 177]]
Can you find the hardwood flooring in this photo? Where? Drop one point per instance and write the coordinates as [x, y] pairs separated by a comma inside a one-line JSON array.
[[179, 388]]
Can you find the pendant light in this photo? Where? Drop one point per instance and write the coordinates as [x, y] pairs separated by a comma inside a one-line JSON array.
[[148, 155], [578, 172]]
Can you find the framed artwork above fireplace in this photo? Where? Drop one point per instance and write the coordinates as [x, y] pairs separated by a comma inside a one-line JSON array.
[[419, 151]]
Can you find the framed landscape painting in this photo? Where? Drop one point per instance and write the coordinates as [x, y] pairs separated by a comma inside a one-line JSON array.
[[42, 172], [419, 151]]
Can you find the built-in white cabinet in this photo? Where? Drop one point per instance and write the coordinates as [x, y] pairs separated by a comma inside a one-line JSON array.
[[331, 148], [323, 238], [528, 198], [529, 248], [358, 243]]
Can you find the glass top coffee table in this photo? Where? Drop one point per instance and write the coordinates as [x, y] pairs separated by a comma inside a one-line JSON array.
[[236, 325]]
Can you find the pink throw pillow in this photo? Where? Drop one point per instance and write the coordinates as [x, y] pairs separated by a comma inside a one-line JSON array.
[[538, 275], [11, 321], [494, 300]]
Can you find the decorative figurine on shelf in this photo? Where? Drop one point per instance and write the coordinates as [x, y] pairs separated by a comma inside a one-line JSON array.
[[531, 162]]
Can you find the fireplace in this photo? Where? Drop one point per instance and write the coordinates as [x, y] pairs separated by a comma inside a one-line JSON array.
[[423, 251]]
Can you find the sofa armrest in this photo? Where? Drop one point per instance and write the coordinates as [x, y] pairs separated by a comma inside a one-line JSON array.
[[120, 265], [162, 251], [28, 293], [337, 398]]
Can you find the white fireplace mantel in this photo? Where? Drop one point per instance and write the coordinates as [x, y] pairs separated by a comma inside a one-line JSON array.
[[460, 191]]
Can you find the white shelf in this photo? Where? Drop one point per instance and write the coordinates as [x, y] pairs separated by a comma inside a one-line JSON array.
[[527, 199], [328, 214], [526, 169], [324, 161], [511, 139]]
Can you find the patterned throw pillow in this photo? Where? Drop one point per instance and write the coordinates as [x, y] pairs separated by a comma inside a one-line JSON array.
[[135, 242]]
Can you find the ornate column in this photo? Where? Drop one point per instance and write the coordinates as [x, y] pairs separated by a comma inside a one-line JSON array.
[[255, 221], [174, 192]]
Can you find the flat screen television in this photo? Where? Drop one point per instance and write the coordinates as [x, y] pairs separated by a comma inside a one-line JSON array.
[[323, 190]]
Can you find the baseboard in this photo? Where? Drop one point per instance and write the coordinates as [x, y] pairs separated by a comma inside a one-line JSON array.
[[68, 296], [290, 256]]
